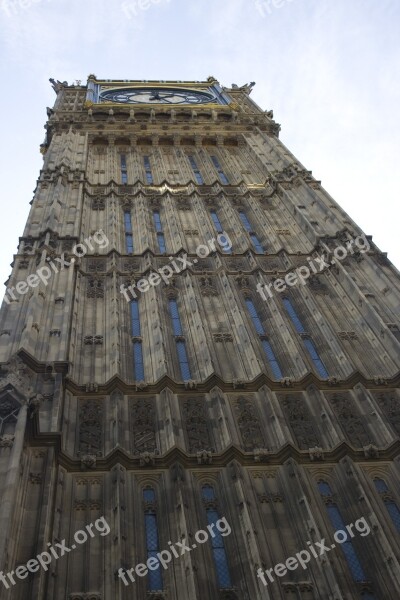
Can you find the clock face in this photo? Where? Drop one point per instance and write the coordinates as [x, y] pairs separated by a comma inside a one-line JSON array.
[[156, 96]]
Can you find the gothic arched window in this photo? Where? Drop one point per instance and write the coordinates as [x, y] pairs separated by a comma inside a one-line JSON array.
[[155, 581], [180, 341], [306, 339], [273, 361], [336, 519], [137, 341], [387, 498], [217, 542]]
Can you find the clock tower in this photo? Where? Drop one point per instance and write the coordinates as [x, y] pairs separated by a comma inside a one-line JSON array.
[[199, 364]]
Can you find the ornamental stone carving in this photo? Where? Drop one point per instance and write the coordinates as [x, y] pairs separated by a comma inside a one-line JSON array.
[[390, 406], [249, 424], [93, 340], [300, 423], [95, 288], [17, 374], [7, 440], [196, 425], [88, 461], [350, 421], [91, 428], [97, 266], [208, 287], [143, 425]]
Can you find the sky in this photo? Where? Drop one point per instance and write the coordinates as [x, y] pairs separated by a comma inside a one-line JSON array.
[[328, 68]]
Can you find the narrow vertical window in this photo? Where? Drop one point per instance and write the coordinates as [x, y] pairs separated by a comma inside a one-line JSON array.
[[389, 502], [128, 232], [218, 546], [179, 340], [138, 365], [124, 172], [254, 239], [306, 339], [155, 581], [276, 370], [336, 519], [159, 231], [223, 178], [196, 171], [147, 169], [218, 227]]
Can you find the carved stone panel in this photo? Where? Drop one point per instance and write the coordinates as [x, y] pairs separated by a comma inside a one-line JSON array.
[[95, 288], [142, 425], [389, 403], [300, 421], [195, 421], [249, 424], [91, 427], [349, 419]]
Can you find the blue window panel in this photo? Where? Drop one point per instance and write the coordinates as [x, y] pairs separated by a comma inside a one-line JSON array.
[[349, 552], [147, 168], [161, 243], [149, 495], [135, 318], [254, 316], [124, 175], [157, 221], [221, 565], [324, 488], [154, 581], [138, 361], [219, 553], [176, 321], [256, 243], [151, 531], [245, 220], [222, 176], [129, 243], [308, 343], [127, 221], [217, 542], [357, 572], [196, 171], [319, 365], [183, 360], [394, 513], [276, 370], [207, 492], [293, 315], [380, 485], [216, 221]]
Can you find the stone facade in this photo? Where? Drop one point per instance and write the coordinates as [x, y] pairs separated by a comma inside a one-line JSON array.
[[82, 438]]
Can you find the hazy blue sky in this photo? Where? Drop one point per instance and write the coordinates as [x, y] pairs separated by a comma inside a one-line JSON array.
[[328, 68]]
